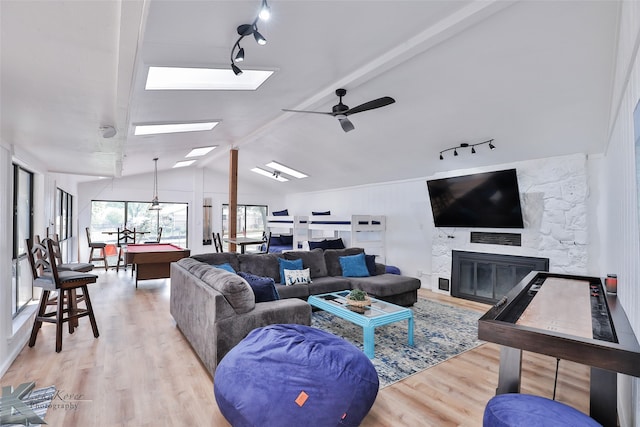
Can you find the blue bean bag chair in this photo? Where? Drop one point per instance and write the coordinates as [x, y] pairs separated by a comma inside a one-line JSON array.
[[515, 410], [294, 375]]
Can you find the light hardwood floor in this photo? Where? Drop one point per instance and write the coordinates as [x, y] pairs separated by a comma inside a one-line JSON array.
[[142, 372]]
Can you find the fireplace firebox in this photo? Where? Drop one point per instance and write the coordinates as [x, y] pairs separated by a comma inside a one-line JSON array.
[[487, 277]]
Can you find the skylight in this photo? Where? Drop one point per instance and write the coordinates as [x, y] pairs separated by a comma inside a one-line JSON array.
[[201, 151], [184, 163], [153, 129], [272, 175], [282, 168], [175, 78]]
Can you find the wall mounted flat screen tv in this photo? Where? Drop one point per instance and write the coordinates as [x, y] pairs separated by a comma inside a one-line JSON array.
[[483, 200]]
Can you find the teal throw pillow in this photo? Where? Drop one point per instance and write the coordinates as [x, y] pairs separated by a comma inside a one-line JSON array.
[[354, 266], [226, 266], [286, 264]]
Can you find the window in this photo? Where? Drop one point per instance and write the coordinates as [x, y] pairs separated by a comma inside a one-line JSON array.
[[21, 280], [108, 216], [251, 222], [64, 214]]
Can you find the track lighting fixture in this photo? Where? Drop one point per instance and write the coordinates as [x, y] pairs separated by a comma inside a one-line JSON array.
[[465, 145], [245, 30]]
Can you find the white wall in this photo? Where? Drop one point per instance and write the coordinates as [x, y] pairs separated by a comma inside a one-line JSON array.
[[618, 210], [407, 209]]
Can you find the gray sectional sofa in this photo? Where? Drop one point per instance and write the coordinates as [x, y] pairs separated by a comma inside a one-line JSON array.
[[216, 309]]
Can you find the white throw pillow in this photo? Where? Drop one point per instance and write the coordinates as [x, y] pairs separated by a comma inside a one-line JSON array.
[[296, 277]]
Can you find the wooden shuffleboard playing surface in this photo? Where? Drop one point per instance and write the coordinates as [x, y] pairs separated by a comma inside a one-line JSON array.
[[561, 305]]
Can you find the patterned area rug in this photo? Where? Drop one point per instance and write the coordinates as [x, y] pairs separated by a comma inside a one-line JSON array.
[[440, 332]]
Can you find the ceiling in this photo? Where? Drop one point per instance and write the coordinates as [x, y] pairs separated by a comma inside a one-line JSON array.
[[534, 76]]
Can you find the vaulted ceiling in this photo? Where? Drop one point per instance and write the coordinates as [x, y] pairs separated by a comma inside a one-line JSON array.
[[535, 76]]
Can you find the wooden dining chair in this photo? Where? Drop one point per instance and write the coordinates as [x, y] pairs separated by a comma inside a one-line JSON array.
[[66, 284], [157, 238], [125, 237], [217, 242], [100, 246]]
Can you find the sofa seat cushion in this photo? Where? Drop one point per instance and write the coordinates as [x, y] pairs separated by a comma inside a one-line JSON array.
[[332, 259], [385, 284], [322, 285], [234, 288], [295, 291], [313, 260], [219, 259], [265, 265]]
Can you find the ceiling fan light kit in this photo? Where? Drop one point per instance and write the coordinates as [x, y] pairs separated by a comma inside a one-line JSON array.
[[467, 145], [245, 30], [341, 111]]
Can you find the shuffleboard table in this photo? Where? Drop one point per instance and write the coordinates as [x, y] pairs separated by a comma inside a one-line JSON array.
[[153, 260], [568, 317]]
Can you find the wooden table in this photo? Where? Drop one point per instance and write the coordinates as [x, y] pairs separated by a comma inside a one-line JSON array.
[[153, 260], [567, 317], [244, 241]]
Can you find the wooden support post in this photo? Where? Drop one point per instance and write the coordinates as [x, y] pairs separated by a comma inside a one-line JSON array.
[[233, 196]]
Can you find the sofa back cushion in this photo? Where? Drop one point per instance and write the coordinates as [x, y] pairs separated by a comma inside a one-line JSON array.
[[332, 259], [233, 287], [313, 260], [265, 265], [213, 258]]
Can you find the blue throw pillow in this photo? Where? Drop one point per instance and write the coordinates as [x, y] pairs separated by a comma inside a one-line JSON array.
[[226, 266], [284, 212], [370, 260], [321, 213], [264, 288], [354, 266], [286, 264]]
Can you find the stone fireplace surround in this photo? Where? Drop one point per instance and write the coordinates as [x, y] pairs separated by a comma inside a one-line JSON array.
[[554, 197]]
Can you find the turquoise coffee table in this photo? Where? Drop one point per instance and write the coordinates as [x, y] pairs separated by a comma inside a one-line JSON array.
[[377, 314]]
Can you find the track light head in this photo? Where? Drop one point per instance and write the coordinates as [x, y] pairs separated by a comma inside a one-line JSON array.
[[259, 39], [473, 150], [237, 71], [491, 146], [455, 152], [265, 11], [240, 55], [245, 30], [441, 158]]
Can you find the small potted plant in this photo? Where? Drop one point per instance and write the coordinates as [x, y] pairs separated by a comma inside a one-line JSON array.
[[358, 298]]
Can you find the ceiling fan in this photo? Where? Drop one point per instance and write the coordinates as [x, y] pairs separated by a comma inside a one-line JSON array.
[[341, 111]]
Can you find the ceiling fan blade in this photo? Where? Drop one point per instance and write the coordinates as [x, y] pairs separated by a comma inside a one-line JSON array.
[[376, 103], [346, 124], [307, 111]]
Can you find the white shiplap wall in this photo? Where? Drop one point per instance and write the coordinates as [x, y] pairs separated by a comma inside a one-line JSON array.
[[619, 207]]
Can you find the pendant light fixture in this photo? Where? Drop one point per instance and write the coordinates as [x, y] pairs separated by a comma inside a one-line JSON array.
[[155, 204]]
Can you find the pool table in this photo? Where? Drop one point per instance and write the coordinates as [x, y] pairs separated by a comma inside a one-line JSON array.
[[153, 260]]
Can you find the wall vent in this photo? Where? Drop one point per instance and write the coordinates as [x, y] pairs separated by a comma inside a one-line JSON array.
[[507, 239]]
